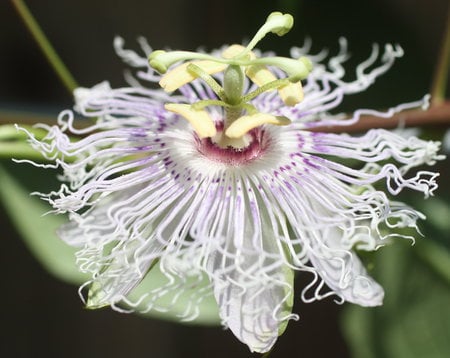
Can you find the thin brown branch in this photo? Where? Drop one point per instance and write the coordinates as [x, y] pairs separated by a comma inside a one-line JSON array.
[[437, 115]]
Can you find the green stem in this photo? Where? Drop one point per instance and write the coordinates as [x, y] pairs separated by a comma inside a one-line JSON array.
[[440, 77], [44, 44], [264, 88], [208, 79], [20, 150]]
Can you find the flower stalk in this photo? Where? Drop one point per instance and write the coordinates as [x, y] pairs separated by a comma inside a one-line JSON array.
[[46, 47]]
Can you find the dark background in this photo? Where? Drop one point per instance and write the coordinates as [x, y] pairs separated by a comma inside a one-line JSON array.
[[41, 316]]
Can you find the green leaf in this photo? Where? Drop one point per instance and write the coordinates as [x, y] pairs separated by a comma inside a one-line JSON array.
[[13, 142], [38, 231], [414, 321]]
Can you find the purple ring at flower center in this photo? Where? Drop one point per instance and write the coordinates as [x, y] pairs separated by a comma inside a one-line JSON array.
[[258, 144]]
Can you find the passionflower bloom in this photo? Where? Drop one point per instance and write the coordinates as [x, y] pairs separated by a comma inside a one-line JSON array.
[[210, 168]]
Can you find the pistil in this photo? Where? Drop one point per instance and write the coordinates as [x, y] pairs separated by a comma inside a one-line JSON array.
[[236, 63]]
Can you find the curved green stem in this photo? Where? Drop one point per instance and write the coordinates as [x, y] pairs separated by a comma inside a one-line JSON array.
[[210, 81], [55, 61], [267, 87]]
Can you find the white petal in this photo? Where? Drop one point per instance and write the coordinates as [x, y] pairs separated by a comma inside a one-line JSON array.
[[82, 94], [123, 274], [342, 270], [245, 262], [252, 304], [118, 256]]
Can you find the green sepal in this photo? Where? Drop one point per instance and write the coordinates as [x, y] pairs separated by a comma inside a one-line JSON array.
[[289, 303]]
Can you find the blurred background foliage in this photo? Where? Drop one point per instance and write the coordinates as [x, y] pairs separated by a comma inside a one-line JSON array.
[[43, 316]]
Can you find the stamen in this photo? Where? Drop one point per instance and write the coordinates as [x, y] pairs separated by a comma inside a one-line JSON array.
[[291, 94], [236, 49], [199, 119], [260, 74], [180, 75], [244, 124], [209, 102], [267, 87], [236, 62], [210, 81]]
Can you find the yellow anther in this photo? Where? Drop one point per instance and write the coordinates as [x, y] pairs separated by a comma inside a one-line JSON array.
[[180, 76], [199, 119], [291, 94], [260, 74], [235, 50], [244, 124], [232, 51]]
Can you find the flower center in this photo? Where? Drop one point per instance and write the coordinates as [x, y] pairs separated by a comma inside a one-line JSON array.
[[255, 145], [236, 63]]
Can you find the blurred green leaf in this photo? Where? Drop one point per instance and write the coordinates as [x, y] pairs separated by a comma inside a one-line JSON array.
[[438, 213], [38, 231], [13, 142], [414, 321], [437, 257]]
